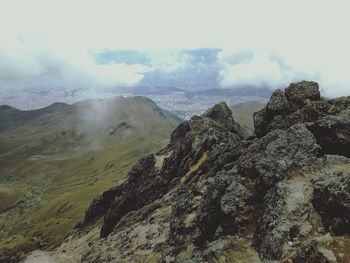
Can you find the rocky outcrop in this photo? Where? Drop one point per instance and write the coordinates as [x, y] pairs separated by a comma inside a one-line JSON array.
[[288, 218], [275, 156], [192, 143], [299, 103], [215, 195], [333, 133], [298, 92], [331, 198]]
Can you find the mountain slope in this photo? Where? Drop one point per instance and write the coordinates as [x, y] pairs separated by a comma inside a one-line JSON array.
[[243, 113], [213, 196], [55, 160]]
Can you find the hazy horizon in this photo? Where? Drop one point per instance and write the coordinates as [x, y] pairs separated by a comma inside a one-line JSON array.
[[94, 45]]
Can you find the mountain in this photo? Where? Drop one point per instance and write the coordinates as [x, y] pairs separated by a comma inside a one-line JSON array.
[[185, 82], [243, 113], [186, 104], [182, 103], [214, 195], [242, 91], [55, 160]]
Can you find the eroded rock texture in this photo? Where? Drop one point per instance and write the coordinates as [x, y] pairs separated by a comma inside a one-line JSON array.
[[215, 195]]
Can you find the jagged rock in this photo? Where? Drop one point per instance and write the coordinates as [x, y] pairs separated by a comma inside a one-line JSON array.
[[214, 195], [287, 216], [211, 219], [100, 205], [311, 253], [339, 104], [298, 93], [222, 114], [190, 144], [301, 102], [278, 103], [271, 158], [333, 133], [331, 198], [235, 200]]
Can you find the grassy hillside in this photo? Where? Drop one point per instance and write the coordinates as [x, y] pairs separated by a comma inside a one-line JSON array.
[[243, 113], [55, 160]]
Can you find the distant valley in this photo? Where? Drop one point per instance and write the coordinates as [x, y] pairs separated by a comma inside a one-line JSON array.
[[179, 101], [55, 160]]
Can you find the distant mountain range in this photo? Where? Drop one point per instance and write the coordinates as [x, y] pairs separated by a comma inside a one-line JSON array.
[[262, 92], [188, 76], [188, 103], [182, 103]]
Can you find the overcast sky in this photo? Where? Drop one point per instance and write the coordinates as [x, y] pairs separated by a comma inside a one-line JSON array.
[[262, 41]]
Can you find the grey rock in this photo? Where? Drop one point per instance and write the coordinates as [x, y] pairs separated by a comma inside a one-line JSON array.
[[333, 133], [298, 92], [331, 198], [310, 253], [287, 210], [212, 192], [222, 114], [328, 255], [271, 158], [300, 103], [278, 103], [235, 199]]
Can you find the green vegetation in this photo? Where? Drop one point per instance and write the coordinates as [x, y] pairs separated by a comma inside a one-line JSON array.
[[243, 113], [55, 160]]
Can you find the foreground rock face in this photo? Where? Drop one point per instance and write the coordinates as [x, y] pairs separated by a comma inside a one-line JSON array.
[[214, 195], [333, 133]]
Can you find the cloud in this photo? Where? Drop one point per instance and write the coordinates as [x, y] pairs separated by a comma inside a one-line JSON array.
[[276, 68], [27, 62], [256, 69], [170, 61], [263, 41]]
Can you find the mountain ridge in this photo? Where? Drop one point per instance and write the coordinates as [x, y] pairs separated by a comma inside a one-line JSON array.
[[213, 195], [56, 159]]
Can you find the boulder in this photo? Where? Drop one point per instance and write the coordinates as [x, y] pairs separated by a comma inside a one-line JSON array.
[[331, 198], [301, 92], [333, 133], [271, 158], [287, 218], [301, 102]]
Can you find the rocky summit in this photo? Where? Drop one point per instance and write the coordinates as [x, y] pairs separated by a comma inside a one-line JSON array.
[[216, 195]]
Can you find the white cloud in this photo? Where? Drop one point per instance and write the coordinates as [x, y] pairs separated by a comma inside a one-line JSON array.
[[28, 62], [276, 68], [257, 69], [311, 37], [170, 61]]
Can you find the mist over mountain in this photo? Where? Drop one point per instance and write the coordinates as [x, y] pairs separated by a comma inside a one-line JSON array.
[[54, 160], [245, 73], [185, 82]]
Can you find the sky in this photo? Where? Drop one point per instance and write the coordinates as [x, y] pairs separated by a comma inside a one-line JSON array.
[[274, 42]]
